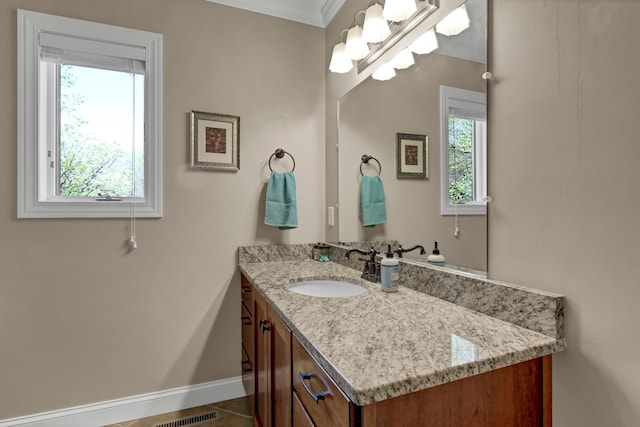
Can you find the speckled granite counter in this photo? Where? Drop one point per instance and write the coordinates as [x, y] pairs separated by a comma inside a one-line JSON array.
[[378, 345]]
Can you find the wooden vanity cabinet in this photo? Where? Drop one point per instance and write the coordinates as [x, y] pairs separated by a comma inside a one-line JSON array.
[[516, 395], [284, 383], [248, 339], [270, 393]]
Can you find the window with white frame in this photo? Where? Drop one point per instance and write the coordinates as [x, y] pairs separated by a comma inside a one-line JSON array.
[[89, 119], [463, 117]]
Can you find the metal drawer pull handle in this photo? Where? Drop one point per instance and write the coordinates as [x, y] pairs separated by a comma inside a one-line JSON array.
[[264, 325], [316, 396], [246, 289], [246, 366], [246, 320]]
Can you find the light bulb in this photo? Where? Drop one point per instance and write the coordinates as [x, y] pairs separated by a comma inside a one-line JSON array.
[[454, 23], [375, 28], [426, 43], [385, 72], [399, 10], [403, 60], [356, 48], [340, 62]]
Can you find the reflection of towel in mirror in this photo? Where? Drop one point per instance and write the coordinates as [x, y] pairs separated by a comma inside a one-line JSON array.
[[280, 209], [372, 204]]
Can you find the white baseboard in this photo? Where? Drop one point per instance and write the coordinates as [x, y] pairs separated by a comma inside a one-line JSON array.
[[134, 407]]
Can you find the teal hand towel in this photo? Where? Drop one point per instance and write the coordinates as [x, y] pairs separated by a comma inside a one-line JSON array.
[[372, 203], [281, 210]]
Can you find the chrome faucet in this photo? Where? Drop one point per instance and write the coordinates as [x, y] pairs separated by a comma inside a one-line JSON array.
[[401, 250], [371, 269]]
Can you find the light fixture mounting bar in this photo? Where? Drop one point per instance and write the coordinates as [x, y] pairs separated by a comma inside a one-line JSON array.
[[397, 34]]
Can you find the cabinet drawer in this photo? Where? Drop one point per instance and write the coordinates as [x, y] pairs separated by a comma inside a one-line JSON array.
[[248, 379], [300, 416], [322, 399], [246, 290], [247, 330], [247, 363]]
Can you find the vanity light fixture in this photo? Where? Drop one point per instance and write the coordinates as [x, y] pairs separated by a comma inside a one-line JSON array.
[[403, 60], [385, 72], [375, 28], [454, 23], [399, 10], [426, 43], [356, 47], [340, 62]]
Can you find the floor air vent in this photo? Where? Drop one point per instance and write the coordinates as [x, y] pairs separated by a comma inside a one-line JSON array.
[[191, 420]]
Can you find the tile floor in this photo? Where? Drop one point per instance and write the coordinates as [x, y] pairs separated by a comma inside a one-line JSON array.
[[231, 413]]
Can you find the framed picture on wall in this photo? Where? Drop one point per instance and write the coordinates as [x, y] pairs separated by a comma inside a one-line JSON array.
[[412, 156], [215, 141]]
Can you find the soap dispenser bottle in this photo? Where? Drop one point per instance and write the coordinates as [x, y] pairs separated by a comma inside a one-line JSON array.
[[389, 272], [436, 258]]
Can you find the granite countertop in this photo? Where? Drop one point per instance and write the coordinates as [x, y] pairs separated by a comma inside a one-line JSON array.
[[379, 345]]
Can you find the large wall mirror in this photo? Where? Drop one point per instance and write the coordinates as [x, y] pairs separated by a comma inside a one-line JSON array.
[[372, 114]]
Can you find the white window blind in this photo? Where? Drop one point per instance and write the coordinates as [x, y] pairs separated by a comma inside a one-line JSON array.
[[62, 49]]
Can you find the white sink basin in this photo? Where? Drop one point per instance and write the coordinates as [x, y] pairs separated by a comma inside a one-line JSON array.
[[327, 288]]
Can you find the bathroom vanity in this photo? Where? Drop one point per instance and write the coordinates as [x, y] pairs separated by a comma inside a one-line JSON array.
[[388, 359]]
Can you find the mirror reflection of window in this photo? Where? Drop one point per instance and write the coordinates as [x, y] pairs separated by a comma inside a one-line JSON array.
[[463, 147]]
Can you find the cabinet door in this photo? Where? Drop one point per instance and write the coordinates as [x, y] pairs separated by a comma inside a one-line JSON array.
[[262, 362], [280, 372], [248, 337], [506, 397]]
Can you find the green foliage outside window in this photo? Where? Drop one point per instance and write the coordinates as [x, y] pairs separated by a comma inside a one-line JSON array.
[[90, 166], [460, 159]]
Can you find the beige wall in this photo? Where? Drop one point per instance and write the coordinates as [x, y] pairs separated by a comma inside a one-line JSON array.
[[370, 116], [564, 173], [81, 320]]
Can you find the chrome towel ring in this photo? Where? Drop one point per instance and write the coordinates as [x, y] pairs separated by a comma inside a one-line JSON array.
[[279, 153]]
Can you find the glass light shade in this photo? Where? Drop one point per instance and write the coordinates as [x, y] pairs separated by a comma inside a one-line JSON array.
[[375, 27], [340, 61], [385, 72], [454, 23], [356, 47], [403, 60], [399, 10], [426, 43]]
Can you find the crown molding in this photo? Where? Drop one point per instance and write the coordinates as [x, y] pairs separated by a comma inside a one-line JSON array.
[[312, 12], [330, 9]]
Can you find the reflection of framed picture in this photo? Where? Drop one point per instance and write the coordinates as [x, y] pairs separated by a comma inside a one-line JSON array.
[[215, 141], [412, 154]]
